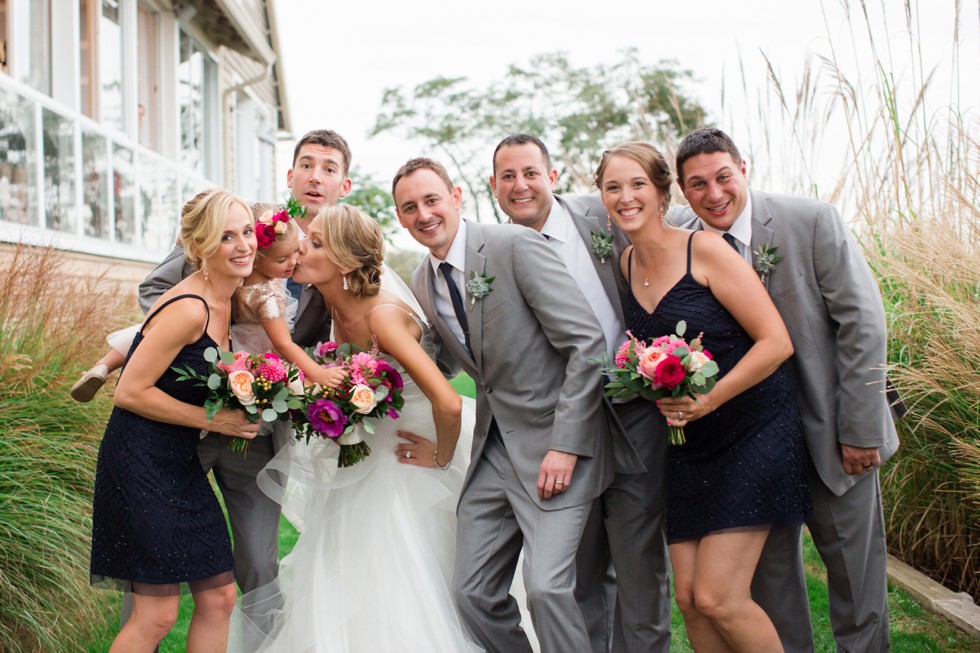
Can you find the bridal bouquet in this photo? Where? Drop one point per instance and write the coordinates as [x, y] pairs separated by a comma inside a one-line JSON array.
[[667, 367], [264, 386], [372, 389]]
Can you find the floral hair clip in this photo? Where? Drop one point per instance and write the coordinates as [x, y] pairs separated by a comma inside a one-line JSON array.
[[275, 223]]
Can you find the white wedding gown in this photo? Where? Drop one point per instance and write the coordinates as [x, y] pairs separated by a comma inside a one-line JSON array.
[[371, 571]]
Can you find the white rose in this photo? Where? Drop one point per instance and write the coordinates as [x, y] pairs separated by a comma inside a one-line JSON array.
[[698, 359], [363, 397], [296, 387]]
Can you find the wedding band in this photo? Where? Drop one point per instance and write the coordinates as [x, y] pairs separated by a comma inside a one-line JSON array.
[[408, 454], [680, 415], [559, 483]]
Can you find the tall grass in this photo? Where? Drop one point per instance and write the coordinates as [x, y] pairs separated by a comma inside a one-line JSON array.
[[908, 182], [52, 325]]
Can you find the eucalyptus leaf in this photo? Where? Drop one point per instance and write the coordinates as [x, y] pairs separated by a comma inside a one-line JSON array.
[[269, 415], [279, 406], [681, 328], [227, 357], [211, 354], [214, 381]]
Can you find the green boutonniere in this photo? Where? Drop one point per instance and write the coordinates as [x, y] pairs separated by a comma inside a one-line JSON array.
[[478, 286], [294, 208], [766, 260], [602, 245]]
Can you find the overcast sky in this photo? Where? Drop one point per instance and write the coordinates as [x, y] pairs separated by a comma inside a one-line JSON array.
[[339, 56]]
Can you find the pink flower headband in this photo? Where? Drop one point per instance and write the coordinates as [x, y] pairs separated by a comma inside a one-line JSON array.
[[269, 225]]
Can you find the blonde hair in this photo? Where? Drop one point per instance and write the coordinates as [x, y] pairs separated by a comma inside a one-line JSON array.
[[354, 240], [202, 223]]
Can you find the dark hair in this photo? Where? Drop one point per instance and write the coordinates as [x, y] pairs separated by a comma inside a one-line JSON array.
[[325, 138], [522, 139], [706, 140], [421, 163], [650, 159]]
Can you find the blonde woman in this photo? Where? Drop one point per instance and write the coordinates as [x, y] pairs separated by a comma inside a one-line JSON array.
[[156, 523]]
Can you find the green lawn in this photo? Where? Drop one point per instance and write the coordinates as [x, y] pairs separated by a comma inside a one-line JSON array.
[[913, 629]]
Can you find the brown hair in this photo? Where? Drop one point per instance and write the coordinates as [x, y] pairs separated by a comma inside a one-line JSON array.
[[706, 140], [354, 240], [650, 159], [325, 138], [421, 163]]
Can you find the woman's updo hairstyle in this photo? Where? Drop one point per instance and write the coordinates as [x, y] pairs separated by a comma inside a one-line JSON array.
[[354, 240], [650, 159], [202, 223]]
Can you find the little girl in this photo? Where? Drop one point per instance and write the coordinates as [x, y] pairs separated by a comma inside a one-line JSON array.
[[261, 311]]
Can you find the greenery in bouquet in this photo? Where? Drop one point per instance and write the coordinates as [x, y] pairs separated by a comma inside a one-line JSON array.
[[667, 367], [264, 386], [372, 389]]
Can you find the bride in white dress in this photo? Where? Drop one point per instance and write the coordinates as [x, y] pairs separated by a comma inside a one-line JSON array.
[[371, 571]]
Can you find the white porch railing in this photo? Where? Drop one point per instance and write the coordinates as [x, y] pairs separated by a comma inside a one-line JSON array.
[[66, 180]]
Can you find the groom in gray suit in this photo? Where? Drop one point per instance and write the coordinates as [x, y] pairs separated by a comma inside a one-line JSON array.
[[630, 513], [318, 177], [505, 310], [826, 294]]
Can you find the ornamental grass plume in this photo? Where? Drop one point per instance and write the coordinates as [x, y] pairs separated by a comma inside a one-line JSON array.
[[52, 326], [908, 185]]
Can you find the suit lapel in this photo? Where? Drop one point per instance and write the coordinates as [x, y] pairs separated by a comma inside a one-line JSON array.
[[428, 303], [761, 232], [475, 262], [607, 270]]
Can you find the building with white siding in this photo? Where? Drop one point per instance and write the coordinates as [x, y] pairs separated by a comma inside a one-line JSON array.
[[115, 112]]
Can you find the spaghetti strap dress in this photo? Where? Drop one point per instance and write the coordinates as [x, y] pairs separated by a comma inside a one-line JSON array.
[[743, 465], [156, 522]]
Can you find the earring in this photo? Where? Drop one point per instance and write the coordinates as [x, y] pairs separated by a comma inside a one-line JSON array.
[[346, 285], [204, 273]]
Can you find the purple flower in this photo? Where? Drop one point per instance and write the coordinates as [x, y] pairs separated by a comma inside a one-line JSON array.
[[326, 418], [391, 377]]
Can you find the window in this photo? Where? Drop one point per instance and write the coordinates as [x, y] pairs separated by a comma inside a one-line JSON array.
[[111, 66], [148, 111], [30, 52], [18, 160], [196, 90]]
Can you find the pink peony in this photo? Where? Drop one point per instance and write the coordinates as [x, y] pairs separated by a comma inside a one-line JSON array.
[[271, 369], [672, 345], [669, 372], [660, 342], [326, 418], [325, 348], [623, 355], [240, 363]]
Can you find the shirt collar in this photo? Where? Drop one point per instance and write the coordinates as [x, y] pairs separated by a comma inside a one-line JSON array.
[[556, 226], [741, 229]]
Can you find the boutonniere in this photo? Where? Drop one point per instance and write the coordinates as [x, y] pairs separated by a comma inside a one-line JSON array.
[[602, 245], [478, 286], [766, 260]]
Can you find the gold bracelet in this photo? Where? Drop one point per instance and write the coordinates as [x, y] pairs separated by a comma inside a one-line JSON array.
[[435, 460]]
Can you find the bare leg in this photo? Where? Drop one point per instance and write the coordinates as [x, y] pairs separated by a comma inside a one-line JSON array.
[[151, 619], [724, 567], [208, 632], [700, 630]]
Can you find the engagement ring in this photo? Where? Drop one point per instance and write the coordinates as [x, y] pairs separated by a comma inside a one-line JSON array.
[[680, 415], [408, 454]]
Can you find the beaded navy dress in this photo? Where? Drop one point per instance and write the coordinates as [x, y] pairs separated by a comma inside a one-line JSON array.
[[743, 465], [156, 522]]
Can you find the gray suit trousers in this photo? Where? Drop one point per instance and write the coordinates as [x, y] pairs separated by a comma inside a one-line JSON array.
[[494, 518], [849, 534]]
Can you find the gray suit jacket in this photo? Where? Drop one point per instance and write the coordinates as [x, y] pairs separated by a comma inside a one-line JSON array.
[[589, 217], [826, 294], [533, 359]]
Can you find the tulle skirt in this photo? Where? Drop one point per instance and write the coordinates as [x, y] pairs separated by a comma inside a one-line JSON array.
[[372, 568]]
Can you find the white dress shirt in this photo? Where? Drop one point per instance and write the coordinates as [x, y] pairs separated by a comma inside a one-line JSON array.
[[741, 230], [565, 239], [456, 257]]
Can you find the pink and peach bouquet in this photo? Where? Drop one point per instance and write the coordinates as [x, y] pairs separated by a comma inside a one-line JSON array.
[[372, 389], [264, 386], [667, 367]]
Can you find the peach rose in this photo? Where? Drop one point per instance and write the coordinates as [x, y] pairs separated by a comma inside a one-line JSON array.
[[240, 382], [363, 397], [648, 362], [698, 359]]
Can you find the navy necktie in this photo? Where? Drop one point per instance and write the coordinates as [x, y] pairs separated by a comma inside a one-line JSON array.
[[730, 239], [294, 288], [447, 271]]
